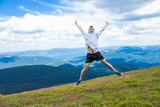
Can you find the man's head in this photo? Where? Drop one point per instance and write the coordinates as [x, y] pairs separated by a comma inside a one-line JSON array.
[[91, 29]]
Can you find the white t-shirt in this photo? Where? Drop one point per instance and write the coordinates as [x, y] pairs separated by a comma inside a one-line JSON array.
[[91, 40]]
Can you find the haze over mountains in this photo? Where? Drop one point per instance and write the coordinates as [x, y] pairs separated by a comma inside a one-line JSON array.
[[134, 55]]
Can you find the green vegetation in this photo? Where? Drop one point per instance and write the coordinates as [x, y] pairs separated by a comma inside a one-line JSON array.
[[138, 88], [26, 78]]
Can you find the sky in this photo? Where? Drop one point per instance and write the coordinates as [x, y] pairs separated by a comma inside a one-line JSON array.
[[46, 24]]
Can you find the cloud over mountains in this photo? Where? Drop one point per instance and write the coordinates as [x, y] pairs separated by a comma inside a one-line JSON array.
[[132, 22]]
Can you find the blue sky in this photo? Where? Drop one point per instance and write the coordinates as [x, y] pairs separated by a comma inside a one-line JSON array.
[[46, 24], [13, 7]]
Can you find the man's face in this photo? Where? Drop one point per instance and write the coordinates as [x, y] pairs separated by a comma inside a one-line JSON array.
[[91, 30]]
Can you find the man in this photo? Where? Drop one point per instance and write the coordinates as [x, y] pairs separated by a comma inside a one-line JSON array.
[[91, 41]]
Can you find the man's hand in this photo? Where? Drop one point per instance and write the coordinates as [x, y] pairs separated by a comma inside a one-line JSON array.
[[107, 23], [75, 22]]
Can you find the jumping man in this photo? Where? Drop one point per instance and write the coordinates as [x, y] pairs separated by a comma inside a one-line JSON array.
[[91, 41]]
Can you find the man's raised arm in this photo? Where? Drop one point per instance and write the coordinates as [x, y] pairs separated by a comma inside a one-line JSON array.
[[104, 27], [79, 27]]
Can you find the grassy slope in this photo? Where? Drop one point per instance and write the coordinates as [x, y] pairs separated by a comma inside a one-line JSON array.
[[139, 88]]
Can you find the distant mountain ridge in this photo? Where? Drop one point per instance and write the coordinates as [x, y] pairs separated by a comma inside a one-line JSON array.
[[65, 52], [57, 53], [13, 61], [137, 56]]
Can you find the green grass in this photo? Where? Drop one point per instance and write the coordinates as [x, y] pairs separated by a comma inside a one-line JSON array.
[[138, 88]]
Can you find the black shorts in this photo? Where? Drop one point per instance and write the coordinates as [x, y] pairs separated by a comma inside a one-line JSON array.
[[91, 57]]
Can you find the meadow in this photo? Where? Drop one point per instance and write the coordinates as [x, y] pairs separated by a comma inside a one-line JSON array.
[[138, 88]]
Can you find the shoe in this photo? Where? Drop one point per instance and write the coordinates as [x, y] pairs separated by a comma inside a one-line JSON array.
[[78, 82], [119, 73]]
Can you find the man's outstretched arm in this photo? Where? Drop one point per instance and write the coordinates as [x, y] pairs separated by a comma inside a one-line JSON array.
[[79, 27], [104, 27]]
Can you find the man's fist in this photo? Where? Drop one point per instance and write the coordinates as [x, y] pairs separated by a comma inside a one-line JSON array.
[[107, 22], [75, 22]]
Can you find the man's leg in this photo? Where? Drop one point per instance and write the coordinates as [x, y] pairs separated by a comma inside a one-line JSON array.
[[108, 65], [82, 73], [111, 67], [84, 70]]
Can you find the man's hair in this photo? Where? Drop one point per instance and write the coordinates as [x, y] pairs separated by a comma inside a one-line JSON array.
[[91, 26]]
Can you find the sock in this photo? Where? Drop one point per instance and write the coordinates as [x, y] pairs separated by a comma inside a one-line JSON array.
[[80, 79], [116, 71]]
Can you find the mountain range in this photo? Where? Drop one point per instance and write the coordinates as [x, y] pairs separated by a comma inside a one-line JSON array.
[[138, 56], [25, 71]]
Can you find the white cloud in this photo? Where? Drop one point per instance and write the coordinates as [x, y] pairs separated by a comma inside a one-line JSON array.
[[42, 31], [23, 8], [1, 18], [56, 31], [60, 31], [145, 26], [149, 8], [53, 5]]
